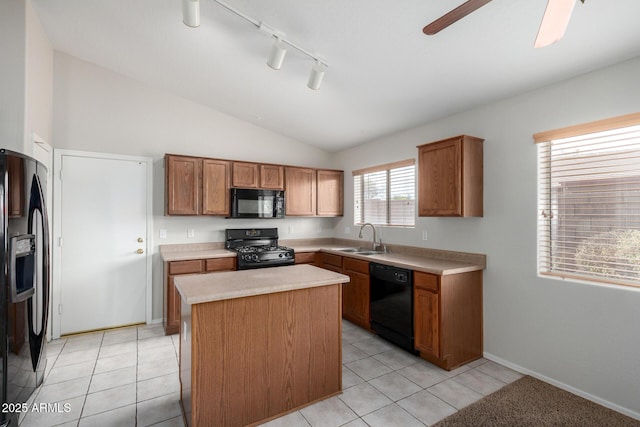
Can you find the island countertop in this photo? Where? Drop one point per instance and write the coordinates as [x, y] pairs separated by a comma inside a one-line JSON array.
[[202, 288]]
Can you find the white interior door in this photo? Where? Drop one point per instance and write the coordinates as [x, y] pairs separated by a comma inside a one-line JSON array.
[[103, 243]]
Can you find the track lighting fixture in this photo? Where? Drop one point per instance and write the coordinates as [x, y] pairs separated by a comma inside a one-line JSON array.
[[316, 76], [191, 18], [276, 57], [191, 13]]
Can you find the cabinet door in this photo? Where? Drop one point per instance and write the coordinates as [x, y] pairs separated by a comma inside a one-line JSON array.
[[440, 179], [173, 308], [245, 175], [355, 299], [300, 191], [183, 175], [305, 258], [272, 177], [426, 318], [330, 193], [215, 187]]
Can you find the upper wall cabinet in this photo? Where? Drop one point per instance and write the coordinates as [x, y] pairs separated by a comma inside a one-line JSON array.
[[245, 175], [272, 177], [311, 192], [300, 191], [200, 186], [183, 185], [196, 186], [257, 175], [330, 199], [450, 177]]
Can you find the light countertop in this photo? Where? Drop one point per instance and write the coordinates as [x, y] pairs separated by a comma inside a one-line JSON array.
[[201, 288], [418, 259]]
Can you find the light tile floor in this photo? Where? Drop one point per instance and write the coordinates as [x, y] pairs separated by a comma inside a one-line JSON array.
[[129, 377]]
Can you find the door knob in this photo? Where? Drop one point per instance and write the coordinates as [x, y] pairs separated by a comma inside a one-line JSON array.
[[140, 240], [140, 251]]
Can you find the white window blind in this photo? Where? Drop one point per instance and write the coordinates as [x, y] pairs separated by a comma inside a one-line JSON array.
[[589, 201], [385, 194]]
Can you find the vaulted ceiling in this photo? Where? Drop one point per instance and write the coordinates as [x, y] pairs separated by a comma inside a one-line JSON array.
[[384, 74]]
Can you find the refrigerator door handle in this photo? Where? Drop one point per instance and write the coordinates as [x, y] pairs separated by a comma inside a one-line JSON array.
[[37, 207]]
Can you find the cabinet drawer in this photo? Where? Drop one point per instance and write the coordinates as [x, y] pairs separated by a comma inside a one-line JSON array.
[[426, 281], [335, 260], [356, 265], [221, 264], [185, 267], [305, 257]]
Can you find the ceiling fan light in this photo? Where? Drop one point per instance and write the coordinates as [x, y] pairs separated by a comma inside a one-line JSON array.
[[316, 76], [554, 22], [276, 57], [191, 13]]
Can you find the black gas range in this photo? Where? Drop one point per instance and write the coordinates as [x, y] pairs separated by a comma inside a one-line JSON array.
[[257, 248]]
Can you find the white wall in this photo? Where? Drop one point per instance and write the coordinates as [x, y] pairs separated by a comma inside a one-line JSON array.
[[26, 77], [12, 74], [581, 336], [101, 111], [39, 82]]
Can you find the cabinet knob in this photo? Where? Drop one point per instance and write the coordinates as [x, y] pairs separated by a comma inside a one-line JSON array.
[[140, 240], [140, 251]]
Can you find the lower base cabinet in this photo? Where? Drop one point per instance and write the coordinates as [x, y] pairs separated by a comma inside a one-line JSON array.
[[356, 294], [448, 318], [171, 306]]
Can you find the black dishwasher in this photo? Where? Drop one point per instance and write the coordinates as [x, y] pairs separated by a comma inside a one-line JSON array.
[[392, 304]]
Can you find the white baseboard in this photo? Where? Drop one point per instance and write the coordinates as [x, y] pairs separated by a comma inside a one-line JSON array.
[[563, 386]]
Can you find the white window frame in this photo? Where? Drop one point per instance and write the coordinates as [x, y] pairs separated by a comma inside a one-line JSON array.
[[589, 201], [360, 175]]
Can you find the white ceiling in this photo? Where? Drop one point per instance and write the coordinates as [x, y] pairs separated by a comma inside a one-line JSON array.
[[384, 75]]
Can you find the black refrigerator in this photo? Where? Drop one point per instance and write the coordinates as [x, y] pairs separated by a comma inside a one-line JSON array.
[[24, 281]]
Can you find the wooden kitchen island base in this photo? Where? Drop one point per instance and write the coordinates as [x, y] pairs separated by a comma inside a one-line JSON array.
[[246, 360]]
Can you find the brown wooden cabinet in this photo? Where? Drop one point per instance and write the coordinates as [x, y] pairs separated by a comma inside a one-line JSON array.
[[215, 187], [271, 177], [200, 186], [183, 185], [330, 193], [300, 195], [245, 175], [306, 258], [171, 306], [355, 294], [258, 175], [330, 262], [196, 186], [448, 318], [450, 177]]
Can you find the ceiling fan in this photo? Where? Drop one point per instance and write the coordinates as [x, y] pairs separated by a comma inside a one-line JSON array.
[[552, 28]]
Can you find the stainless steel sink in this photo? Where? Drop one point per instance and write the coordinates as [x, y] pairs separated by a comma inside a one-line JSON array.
[[369, 252], [360, 251]]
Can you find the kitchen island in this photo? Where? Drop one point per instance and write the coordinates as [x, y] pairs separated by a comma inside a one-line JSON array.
[[256, 344]]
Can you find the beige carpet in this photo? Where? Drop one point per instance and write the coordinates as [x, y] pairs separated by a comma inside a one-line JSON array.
[[531, 402]]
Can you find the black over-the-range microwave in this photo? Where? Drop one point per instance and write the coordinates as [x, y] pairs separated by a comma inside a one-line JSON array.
[[254, 203]]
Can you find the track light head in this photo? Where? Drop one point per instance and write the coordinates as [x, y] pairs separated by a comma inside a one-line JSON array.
[[191, 13], [316, 76], [276, 57]]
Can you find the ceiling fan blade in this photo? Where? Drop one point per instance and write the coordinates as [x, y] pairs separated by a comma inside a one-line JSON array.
[[554, 22], [455, 15]]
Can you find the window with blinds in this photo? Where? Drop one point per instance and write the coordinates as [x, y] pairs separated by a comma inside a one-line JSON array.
[[385, 194], [589, 201]]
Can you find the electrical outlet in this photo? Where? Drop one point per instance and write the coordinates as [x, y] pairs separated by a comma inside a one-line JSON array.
[[291, 229], [424, 234], [163, 233], [347, 230], [191, 233]]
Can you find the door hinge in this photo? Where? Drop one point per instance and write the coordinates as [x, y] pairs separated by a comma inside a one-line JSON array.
[[59, 308], [60, 174], [60, 241]]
